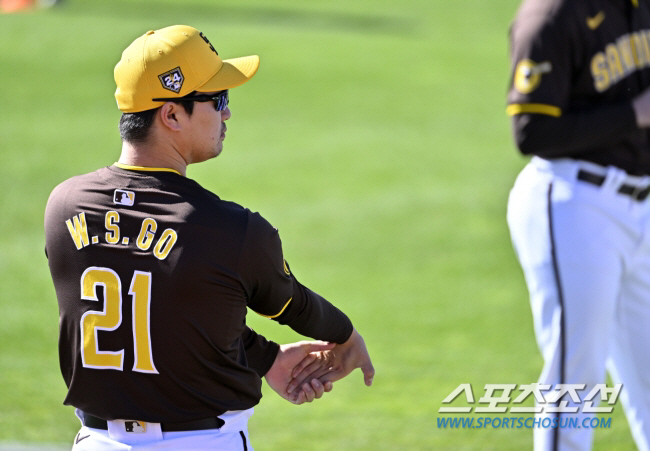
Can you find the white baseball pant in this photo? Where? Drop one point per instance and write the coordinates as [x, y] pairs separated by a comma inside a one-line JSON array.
[[585, 253]]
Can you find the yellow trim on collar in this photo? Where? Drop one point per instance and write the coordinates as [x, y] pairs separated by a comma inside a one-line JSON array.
[[143, 168], [281, 311], [635, 3], [539, 108]]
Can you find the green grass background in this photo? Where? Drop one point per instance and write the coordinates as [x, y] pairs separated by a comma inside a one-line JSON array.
[[374, 137]]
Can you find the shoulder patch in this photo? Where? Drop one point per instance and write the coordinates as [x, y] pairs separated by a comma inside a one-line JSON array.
[[528, 75]]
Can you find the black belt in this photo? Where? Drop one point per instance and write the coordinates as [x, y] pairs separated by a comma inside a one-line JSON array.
[[195, 425], [635, 192]]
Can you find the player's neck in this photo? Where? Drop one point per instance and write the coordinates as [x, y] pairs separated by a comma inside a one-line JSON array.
[[151, 155]]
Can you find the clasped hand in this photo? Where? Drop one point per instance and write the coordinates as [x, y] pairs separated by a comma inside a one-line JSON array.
[[304, 371]]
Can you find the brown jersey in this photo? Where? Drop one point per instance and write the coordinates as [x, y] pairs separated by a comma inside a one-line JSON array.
[[153, 276], [576, 65]]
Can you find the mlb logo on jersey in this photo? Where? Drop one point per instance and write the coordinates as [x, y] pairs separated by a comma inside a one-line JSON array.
[[124, 197], [135, 426], [172, 80]]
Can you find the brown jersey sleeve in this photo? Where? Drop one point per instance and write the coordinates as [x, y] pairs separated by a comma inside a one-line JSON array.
[[274, 292], [573, 133]]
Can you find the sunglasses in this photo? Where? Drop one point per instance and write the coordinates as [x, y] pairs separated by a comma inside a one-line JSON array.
[[220, 99]]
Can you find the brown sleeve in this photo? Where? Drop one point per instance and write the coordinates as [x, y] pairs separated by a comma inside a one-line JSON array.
[[274, 292], [574, 132]]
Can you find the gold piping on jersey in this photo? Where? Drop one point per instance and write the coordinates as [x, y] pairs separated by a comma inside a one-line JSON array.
[[635, 3], [143, 168], [537, 108], [281, 311]]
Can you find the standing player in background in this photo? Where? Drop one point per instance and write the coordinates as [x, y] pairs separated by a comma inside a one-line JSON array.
[[579, 214], [154, 274]]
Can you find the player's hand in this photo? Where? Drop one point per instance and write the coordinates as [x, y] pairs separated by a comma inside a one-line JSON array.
[[641, 105], [303, 353], [330, 366]]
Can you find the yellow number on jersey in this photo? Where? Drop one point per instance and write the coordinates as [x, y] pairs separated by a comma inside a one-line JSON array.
[[111, 317], [141, 292]]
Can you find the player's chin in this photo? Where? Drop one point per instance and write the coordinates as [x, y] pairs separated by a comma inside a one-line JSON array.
[[217, 149], [215, 154], [209, 155]]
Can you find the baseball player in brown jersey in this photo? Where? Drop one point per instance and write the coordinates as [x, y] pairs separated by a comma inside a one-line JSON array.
[[579, 213], [154, 274]]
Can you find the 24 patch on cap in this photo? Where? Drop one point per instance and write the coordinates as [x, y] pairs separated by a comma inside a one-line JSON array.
[[172, 80]]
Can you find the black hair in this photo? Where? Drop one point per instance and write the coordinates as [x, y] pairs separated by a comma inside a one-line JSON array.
[[134, 127]]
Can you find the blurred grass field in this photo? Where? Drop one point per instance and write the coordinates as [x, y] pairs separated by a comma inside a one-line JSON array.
[[374, 137]]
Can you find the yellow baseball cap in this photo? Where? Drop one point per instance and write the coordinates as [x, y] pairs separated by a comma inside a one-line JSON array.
[[174, 62]]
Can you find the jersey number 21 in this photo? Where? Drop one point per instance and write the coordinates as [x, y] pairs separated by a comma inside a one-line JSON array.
[[111, 318]]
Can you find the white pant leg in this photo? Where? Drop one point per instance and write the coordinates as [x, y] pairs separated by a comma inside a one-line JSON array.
[[567, 246], [630, 352]]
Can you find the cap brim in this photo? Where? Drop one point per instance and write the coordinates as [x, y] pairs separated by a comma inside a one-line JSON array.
[[234, 72]]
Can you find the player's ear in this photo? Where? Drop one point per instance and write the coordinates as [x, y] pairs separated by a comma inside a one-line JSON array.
[[169, 115]]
